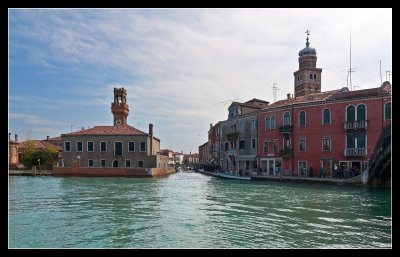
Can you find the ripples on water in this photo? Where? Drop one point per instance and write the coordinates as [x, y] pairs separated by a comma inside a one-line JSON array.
[[190, 210]]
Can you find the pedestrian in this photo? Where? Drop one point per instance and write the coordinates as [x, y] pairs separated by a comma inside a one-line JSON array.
[[260, 170], [335, 169], [276, 170], [321, 172], [311, 171]]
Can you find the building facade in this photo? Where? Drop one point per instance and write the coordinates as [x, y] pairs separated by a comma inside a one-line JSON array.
[[238, 139], [331, 129], [114, 146], [203, 153], [12, 150]]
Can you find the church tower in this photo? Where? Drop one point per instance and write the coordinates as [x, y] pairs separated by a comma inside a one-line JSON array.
[[307, 79], [119, 108]]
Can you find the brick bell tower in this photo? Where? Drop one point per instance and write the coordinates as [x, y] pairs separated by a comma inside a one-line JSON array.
[[307, 79], [119, 108]]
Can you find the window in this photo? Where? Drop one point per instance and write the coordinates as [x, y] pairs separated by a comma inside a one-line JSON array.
[[286, 142], [253, 143], [388, 111], [350, 139], [350, 114], [326, 117], [302, 118], [253, 124], [302, 145], [361, 112], [79, 146], [117, 148], [315, 76], [131, 146], [141, 164], [115, 163], [103, 146], [242, 144], [103, 163], [90, 163], [127, 163], [361, 139], [67, 146], [143, 146], [267, 123], [310, 76], [276, 146], [326, 144], [234, 127], [241, 126], [226, 146], [286, 118], [90, 146], [266, 146], [273, 122]]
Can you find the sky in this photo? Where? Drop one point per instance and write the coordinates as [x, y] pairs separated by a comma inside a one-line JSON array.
[[181, 67]]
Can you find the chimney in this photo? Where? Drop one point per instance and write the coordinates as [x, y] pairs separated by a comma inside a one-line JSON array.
[[9, 135], [151, 138], [210, 125], [288, 96], [47, 138], [16, 138]]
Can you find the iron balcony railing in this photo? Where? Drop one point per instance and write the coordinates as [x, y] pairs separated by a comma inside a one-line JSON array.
[[358, 124], [285, 129], [355, 152]]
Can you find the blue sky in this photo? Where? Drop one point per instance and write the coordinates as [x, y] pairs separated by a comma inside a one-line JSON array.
[[180, 66]]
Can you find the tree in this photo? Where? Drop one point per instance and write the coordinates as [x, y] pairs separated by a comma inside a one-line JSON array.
[[29, 149]]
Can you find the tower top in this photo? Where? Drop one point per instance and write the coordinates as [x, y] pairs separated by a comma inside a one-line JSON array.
[[307, 50], [119, 107]]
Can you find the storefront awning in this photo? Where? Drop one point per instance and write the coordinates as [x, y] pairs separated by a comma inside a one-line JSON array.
[[245, 157]]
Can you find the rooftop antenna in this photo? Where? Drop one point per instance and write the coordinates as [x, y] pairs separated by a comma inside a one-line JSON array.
[[274, 89], [350, 70]]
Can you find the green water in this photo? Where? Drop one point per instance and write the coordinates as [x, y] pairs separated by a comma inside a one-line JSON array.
[[190, 210]]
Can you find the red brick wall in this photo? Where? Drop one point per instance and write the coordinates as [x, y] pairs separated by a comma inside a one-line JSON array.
[[162, 171]]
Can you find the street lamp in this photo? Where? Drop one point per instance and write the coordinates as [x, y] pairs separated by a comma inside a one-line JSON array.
[[39, 165]]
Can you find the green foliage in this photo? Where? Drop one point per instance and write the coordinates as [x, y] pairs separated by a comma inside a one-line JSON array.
[[46, 156]]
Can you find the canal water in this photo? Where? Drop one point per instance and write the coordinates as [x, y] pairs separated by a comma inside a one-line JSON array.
[[191, 210]]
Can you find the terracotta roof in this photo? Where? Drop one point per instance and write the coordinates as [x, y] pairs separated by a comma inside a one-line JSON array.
[[254, 106], [108, 130], [333, 95], [39, 144], [54, 139]]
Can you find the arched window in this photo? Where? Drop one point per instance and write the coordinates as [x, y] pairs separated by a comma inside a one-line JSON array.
[[361, 112], [310, 76], [327, 117], [267, 123], [315, 76], [351, 113], [273, 122], [361, 139], [388, 111], [350, 139], [302, 118], [286, 118]]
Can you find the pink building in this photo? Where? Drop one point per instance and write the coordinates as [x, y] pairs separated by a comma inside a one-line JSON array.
[[337, 128]]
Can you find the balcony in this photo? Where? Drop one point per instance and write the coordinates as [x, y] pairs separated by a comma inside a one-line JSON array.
[[359, 124], [286, 153], [232, 152], [355, 152], [285, 129], [232, 136]]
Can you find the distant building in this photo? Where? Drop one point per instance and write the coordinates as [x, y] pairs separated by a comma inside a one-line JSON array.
[[178, 157], [12, 150], [119, 145], [37, 146], [191, 158]]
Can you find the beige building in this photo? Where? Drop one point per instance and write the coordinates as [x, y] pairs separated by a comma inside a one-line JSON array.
[[12, 150], [119, 145]]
